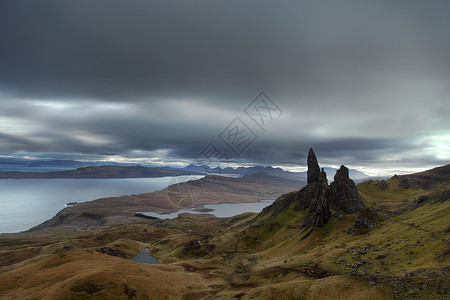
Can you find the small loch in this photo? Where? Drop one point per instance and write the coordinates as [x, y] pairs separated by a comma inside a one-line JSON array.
[[145, 258], [222, 210]]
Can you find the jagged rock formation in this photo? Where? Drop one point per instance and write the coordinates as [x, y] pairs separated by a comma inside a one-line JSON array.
[[366, 220], [112, 252], [404, 182], [318, 198], [343, 195], [383, 185], [313, 167], [314, 198], [196, 248]]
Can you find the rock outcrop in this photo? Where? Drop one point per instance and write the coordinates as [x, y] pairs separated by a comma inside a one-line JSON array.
[[313, 167], [112, 252], [404, 182], [317, 198], [343, 195], [314, 197], [366, 220]]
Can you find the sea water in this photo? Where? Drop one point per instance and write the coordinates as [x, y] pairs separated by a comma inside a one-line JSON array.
[[25, 203]]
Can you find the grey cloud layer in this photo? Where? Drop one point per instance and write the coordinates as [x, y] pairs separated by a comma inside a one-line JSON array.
[[359, 80]]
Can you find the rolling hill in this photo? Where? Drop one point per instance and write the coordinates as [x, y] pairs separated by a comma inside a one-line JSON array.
[[384, 239], [354, 174], [100, 172]]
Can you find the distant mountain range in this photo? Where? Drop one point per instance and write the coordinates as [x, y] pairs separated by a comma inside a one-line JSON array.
[[13, 167], [95, 172], [42, 165], [354, 174]]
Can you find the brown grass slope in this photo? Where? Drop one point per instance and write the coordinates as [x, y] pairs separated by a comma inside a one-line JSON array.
[[250, 256]]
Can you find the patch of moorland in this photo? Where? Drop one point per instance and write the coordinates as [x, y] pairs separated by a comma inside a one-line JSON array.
[[271, 255]]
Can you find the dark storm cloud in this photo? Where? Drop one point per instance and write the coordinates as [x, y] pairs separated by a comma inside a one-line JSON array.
[[360, 81], [142, 49], [117, 50]]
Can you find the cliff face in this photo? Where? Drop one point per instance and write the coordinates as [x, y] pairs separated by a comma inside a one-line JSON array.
[[317, 197], [343, 195], [313, 167]]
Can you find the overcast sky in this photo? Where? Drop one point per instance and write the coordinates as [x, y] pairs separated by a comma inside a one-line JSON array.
[[365, 83]]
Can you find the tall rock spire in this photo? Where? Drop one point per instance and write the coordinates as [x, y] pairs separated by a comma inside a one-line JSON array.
[[317, 198], [313, 167], [343, 194], [319, 209], [314, 195]]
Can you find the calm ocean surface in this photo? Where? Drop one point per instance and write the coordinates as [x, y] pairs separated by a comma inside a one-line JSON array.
[[25, 203]]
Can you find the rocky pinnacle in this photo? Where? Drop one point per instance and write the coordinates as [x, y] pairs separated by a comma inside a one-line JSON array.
[[343, 194], [313, 167], [321, 200]]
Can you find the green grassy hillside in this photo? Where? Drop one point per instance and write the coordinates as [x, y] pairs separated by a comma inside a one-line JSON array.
[[271, 255]]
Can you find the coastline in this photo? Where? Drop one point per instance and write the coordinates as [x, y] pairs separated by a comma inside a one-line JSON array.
[[215, 190], [202, 209]]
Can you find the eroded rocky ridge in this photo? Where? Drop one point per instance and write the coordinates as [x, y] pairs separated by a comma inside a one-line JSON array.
[[318, 198], [314, 198], [343, 195]]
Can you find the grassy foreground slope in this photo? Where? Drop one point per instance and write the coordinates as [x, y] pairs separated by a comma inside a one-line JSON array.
[[250, 256]]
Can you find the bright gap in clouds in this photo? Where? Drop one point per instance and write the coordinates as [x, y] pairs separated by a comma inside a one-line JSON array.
[[368, 94]]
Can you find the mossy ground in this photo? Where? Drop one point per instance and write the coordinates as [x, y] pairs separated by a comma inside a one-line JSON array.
[[248, 256]]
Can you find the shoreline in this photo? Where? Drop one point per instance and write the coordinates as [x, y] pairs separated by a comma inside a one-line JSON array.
[[113, 210], [200, 209]]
